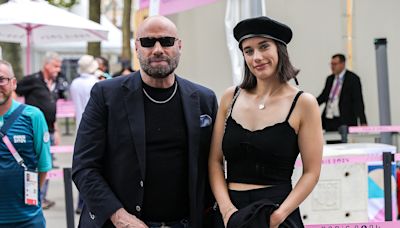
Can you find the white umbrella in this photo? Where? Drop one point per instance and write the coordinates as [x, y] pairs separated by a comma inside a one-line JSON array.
[[112, 46], [31, 22]]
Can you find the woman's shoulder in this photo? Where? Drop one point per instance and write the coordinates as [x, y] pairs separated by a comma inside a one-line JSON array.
[[228, 95], [307, 98], [307, 103]]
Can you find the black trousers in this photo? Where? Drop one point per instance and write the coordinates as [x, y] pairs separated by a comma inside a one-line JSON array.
[[331, 124], [276, 194]]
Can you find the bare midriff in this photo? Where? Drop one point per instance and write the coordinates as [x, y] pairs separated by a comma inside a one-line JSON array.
[[245, 187]]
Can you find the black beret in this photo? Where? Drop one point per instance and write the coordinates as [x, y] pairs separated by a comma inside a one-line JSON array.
[[264, 27]]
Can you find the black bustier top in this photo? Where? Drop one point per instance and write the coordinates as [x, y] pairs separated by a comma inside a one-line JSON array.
[[264, 157]]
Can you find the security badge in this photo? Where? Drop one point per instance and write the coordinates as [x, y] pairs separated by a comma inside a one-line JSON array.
[[31, 187]]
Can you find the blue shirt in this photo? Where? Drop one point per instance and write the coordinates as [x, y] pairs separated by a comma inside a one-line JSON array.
[[30, 137]]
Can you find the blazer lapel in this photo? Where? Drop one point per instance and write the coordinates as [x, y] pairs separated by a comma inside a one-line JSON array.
[[133, 100], [344, 84], [191, 109]]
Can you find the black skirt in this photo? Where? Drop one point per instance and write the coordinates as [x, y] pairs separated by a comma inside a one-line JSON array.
[[277, 194]]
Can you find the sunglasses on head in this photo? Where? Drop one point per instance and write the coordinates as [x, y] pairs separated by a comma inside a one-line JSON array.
[[165, 41]]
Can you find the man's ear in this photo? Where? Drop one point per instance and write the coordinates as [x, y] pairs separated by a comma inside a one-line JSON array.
[[14, 83], [180, 44]]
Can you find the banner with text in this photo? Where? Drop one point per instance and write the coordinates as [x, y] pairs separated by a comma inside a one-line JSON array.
[[165, 7]]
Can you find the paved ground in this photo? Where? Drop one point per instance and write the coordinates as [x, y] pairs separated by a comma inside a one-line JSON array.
[[56, 216]]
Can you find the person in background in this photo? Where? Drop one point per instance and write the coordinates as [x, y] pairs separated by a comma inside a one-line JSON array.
[[261, 127], [62, 86], [141, 151], [126, 69], [80, 94], [29, 136], [342, 96], [82, 85], [104, 67], [40, 90], [100, 75]]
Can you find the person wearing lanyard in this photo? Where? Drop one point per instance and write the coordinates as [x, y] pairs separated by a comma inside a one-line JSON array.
[[343, 97], [24, 157], [41, 89]]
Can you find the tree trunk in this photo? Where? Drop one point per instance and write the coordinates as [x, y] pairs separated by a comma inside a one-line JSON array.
[[11, 52], [94, 48], [126, 31]]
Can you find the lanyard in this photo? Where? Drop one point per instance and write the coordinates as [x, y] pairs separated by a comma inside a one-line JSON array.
[[13, 151], [336, 88], [3, 134]]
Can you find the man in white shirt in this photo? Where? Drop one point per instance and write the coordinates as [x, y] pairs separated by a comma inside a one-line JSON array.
[[80, 93], [82, 85]]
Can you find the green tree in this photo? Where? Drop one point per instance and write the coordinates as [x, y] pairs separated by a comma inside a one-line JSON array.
[[94, 48], [126, 31], [63, 3], [12, 53]]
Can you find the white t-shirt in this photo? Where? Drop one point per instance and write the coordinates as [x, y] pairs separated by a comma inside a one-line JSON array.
[[80, 93]]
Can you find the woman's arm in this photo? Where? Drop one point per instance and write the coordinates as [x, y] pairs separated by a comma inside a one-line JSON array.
[[215, 161], [310, 140]]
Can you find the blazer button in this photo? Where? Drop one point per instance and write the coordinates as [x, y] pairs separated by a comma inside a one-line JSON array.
[[138, 208], [141, 184]]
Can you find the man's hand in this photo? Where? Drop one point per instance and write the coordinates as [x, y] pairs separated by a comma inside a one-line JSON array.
[[122, 219], [57, 138]]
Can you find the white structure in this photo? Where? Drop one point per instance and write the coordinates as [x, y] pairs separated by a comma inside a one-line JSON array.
[[350, 189], [319, 32]]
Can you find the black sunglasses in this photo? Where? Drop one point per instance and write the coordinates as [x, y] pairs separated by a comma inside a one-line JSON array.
[[165, 41]]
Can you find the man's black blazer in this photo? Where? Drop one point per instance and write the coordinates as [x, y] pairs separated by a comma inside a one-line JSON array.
[[109, 156], [351, 103]]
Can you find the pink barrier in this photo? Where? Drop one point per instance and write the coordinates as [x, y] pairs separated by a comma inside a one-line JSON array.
[[351, 159], [65, 109], [397, 157], [389, 224], [55, 174], [61, 149], [374, 129]]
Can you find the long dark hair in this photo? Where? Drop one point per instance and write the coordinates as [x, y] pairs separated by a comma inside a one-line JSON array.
[[285, 69]]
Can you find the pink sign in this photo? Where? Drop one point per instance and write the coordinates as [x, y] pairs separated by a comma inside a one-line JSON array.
[[175, 6], [374, 129], [350, 159], [62, 149], [388, 224], [55, 174]]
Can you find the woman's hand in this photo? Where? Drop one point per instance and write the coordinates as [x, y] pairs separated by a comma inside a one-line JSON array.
[[227, 215], [276, 219]]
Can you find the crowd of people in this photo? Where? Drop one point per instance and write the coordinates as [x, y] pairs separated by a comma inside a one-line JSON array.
[[154, 149]]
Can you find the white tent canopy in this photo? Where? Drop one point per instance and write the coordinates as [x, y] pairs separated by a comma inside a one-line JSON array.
[[34, 22], [112, 46]]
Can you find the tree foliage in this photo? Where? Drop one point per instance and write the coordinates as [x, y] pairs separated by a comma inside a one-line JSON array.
[[126, 31], [64, 3], [94, 48]]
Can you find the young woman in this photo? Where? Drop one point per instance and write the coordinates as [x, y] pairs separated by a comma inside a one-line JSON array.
[[261, 128]]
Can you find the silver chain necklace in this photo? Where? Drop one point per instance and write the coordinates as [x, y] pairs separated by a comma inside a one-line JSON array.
[[164, 101]]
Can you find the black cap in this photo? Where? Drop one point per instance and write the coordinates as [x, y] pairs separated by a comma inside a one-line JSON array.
[[264, 27]]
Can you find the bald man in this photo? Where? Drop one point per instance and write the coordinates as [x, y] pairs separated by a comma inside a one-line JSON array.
[[141, 151]]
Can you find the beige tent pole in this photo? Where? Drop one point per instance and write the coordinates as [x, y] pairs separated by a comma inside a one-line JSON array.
[[349, 35]]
